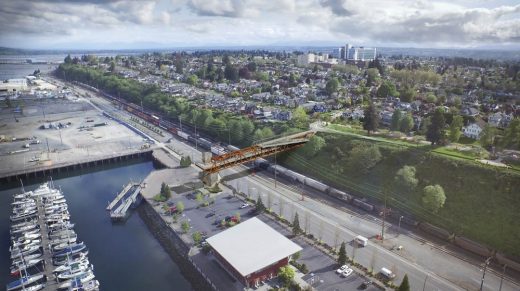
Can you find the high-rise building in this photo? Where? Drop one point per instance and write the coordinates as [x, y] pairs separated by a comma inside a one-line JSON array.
[[350, 53]]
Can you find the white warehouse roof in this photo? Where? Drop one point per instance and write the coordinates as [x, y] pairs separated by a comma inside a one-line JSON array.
[[252, 245]]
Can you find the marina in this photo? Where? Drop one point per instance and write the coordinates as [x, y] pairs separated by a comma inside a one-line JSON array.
[[45, 252]]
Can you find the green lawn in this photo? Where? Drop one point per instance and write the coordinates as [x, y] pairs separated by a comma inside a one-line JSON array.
[[482, 202]]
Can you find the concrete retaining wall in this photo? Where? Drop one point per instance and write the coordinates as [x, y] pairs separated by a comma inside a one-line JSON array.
[[472, 246], [504, 260], [173, 245], [435, 231]]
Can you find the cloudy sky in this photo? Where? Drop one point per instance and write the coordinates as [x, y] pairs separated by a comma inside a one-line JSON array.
[[112, 24]]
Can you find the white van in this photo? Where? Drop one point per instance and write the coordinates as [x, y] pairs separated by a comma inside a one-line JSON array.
[[361, 240], [387, 273]]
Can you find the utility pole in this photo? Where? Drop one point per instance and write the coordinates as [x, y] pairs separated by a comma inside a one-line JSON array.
[[399, 227], [424, 286], [229, 135], [196, 139], [48, 149], [384, 216], [484, 273], [275, 169], [502, 278], [180, 122]]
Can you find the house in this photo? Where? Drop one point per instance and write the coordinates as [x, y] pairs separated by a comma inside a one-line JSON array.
[[495, 119], [283, 115], [469, 111], [472, 131]]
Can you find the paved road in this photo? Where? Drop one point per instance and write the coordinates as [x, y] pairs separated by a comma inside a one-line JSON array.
[[425, 264]]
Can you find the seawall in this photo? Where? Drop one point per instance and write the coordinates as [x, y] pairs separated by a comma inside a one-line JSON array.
[[173, 245]]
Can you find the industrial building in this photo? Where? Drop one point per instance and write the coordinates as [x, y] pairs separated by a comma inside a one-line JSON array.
[[252, 251]]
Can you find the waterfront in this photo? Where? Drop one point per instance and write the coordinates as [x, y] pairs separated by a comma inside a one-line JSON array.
[[126, 257]]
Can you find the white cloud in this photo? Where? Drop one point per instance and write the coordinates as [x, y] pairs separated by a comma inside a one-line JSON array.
[[232, 22]]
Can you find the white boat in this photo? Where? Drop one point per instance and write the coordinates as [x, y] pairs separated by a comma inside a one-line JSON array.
[[62, 246], [16, 254], [61, 234], [24, 229], [23, 201], [35, 287], [27, 242], [22, 282], [74, 264], [61, 225], [73, 273], [25, 216], [92, 285], [25, 223], [27, 258], [71, 257], [17, 268], [22, 196], [82, 278]]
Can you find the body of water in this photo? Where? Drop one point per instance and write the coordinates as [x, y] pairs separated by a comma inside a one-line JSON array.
[[17, 71], [125, 256]]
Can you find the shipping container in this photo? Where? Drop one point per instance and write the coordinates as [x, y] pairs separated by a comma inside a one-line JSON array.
[[218, 150]]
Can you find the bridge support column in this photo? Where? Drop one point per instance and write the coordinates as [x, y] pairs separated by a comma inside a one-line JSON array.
[[211, 179]]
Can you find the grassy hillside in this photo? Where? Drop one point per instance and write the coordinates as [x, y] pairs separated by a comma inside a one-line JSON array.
[[482, 203]]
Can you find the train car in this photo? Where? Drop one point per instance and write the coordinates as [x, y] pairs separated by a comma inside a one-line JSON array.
[[232, 148], [363, 205], [340, 195], [155, 119], [193, 140], [204, 143], [218, 150], [173, 130], [316, 185], [262, 164], [295, 176], [183, 135]]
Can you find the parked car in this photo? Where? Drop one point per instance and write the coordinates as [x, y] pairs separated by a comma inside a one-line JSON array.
[[210, 214], [365, 285], [347, 272], [244, 206], [342, 269]]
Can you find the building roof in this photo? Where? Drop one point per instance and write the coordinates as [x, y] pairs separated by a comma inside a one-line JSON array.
[[252, 245]]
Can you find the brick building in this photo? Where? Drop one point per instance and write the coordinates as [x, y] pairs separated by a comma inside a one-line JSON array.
[[252, 251]]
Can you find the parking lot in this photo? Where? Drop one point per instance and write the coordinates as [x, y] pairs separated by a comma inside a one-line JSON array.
[[206, 220]]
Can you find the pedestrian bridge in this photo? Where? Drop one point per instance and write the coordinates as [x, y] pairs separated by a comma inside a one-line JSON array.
[[260, 150]]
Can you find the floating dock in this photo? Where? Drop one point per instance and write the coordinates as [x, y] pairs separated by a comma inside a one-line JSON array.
[[129, 196]]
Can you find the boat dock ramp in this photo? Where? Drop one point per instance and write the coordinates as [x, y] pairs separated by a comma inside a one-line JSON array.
[[127, 198]]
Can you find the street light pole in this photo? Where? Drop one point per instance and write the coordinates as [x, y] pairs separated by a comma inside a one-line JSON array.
[[424, 285]]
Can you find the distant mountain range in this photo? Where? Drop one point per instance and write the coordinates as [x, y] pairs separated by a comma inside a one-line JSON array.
[[476, 53]]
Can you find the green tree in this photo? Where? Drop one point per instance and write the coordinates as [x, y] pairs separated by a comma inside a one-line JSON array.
[[431, 98], [165, 191], [185, 225], [433, 197], [396, 120], [512, 135], [192, 80], [180, 206], [387, 89], [372, 76], [313, 146], [300, 118], [455, 126], [342, 254], [231, 73], [371, 119], [197, 237], [425, 124], [259, 206], [487, 137], [332, 86], [296, 229], [286, 275], [112, 67], [68, 59], [406, 177], [405, 285], [408, 94], [198, 197], [363, 157], [185, 161], [435, 132], [406, 123]]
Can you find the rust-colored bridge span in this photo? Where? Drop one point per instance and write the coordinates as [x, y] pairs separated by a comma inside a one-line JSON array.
[[256, 151]]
